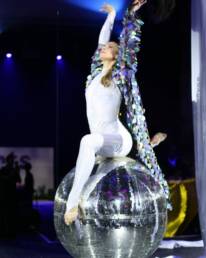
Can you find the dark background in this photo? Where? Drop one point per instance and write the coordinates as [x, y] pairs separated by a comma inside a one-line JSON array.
[[42, 101]]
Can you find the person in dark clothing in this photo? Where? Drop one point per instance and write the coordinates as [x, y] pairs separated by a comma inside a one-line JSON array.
[[28, 184], [8, 199]]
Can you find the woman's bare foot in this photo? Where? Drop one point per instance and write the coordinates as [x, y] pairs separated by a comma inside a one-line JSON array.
[[157, 138], [71, 215]]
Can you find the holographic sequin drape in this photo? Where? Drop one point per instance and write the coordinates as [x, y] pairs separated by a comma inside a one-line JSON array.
[[124, 76]]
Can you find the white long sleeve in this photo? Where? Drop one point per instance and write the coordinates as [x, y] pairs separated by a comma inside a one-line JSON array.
[[106, 30]]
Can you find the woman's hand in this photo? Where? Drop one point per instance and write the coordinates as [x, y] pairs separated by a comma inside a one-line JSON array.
[[107, 8], [137, 4]]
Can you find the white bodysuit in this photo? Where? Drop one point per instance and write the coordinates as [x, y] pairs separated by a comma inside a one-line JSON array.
[[103, 105], [108, 137]]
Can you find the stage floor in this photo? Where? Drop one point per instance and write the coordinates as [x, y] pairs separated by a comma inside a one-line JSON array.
[[44, 243], [36, 245]]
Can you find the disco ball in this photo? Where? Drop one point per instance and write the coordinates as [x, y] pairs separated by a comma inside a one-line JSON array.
[[123, 213]]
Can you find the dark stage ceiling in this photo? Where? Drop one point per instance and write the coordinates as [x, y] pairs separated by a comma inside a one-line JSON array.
[[69, 12]]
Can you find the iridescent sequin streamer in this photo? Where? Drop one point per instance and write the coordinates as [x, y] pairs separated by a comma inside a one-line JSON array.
[[124, 76]]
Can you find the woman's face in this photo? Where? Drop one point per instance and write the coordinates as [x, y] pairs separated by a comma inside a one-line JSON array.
[[109, 51]]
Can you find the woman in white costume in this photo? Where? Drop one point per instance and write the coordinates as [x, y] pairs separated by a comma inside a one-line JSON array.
[[108, 137]]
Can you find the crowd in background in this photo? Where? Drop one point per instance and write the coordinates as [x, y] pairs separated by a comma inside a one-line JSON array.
[[16, 195]]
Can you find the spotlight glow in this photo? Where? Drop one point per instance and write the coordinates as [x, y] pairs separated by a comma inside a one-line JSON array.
[[9, 55], [59, 57], [95, 5]]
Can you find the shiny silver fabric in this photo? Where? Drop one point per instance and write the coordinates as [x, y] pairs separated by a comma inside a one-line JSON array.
[[123, 212], [199, 104]]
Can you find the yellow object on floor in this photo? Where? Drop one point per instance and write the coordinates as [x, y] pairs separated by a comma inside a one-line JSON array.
[[184, 201]]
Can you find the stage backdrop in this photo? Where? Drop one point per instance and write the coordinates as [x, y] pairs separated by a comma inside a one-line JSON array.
[[41, 160], [199, 103]]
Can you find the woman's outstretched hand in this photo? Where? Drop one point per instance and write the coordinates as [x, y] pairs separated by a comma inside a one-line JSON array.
[[107, 8], [136, 4]]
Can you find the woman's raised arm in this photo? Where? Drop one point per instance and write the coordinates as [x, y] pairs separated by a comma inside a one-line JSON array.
[[107, 27], [130, 37], [104, 35]]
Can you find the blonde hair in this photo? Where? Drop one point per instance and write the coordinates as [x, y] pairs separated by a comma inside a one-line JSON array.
[[106, 79]]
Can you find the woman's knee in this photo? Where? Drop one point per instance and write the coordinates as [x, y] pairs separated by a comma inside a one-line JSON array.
[[93, 140]]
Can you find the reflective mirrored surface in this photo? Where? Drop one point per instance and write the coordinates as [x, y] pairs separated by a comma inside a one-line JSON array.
[[122, 213]]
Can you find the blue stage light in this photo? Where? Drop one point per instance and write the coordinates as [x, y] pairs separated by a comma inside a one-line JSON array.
[[9, 55], [59, 57], [97, 4], [172, 162]]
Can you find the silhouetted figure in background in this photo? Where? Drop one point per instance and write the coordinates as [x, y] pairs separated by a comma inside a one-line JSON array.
[[8, 198], [25, 189], [17, 173], [28, 184]]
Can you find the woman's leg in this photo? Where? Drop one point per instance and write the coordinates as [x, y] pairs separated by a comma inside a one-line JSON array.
[[89, 145], [107, 145], [104, 144]]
